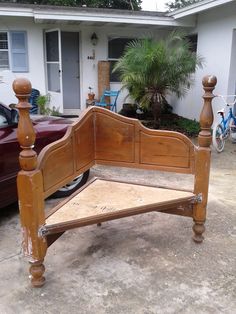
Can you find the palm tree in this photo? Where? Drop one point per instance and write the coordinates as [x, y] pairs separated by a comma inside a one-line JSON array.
[[150, 69]]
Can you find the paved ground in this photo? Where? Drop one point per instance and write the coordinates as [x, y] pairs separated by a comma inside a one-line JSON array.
[[143, 264]]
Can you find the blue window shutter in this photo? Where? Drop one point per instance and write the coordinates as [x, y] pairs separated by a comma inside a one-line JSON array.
[[19, 54]]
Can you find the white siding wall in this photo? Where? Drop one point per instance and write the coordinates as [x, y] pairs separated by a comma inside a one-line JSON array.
[[36, 72], [89, 67], [215, 33], [232, 72]]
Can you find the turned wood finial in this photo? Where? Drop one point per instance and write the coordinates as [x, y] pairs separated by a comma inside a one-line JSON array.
[[37, 270], [26, 135], [206, 117]]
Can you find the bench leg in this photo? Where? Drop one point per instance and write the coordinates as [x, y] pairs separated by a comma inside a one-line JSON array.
[[37, 270], [198, 229], [202, 169], [199, 218], [32, 216]]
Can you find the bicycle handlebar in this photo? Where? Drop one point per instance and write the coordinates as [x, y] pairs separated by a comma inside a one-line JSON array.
[[227, 103]]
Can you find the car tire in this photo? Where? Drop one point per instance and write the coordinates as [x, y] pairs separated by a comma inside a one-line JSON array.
[[72, 186]]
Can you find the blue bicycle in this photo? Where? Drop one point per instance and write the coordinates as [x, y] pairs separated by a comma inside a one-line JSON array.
[[226, 128]]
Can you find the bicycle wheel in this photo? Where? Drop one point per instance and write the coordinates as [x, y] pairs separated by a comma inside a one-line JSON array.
[[218, 139], [232, 125]]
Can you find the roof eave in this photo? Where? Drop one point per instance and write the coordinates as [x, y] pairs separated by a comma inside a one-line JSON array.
[[41, 17], [56, 16], [197, 8], [17, 12]]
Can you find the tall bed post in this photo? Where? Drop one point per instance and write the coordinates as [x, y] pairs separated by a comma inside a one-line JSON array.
[[29, 185], [203, 155]]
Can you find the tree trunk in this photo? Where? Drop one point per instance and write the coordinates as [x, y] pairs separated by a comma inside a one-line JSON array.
[[156, 110]]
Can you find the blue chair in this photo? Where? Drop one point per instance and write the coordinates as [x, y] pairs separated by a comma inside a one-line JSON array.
[[33, 101], [113, 98]]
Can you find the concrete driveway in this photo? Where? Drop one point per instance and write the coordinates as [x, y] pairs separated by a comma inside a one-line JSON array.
[[143, 264]]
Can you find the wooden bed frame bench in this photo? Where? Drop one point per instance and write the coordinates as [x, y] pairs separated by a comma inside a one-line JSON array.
[[100, 136]]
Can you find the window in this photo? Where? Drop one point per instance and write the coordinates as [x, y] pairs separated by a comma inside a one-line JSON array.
[[193, 42], [13, 51], [4, 59], [116, 47]]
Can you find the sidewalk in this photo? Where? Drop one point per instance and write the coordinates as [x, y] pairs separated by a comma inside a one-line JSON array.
[[138, 265]]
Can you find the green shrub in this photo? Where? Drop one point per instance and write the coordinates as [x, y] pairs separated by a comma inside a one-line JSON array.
[[190, 127], [180, 124], [43, 102]]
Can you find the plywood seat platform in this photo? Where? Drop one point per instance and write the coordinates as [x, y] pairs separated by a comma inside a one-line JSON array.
[[102, 200]]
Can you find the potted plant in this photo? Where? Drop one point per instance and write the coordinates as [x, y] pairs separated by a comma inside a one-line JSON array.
[[91, 94]]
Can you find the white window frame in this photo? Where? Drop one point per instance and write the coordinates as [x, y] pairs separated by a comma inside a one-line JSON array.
[[12, 52]]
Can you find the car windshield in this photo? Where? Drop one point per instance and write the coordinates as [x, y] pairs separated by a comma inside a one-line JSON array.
[[3, 120], [7, 116]]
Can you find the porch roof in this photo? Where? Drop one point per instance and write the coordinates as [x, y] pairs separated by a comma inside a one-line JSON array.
[[90, 16]]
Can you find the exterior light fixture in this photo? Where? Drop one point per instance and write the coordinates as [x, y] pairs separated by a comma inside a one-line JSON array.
[[94, 39]]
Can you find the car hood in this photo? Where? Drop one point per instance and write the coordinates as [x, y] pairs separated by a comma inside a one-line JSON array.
[[50, 120]]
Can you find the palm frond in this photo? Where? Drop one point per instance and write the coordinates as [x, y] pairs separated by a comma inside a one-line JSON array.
[[160, 66]]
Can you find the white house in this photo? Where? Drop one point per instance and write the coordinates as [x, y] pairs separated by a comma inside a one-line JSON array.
[[215, 26], [55, 49]]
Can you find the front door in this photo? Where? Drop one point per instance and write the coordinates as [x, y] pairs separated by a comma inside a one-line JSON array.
[[53, 66], [62, 63], [70, 71]]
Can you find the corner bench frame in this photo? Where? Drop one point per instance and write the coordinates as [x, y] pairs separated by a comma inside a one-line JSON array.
[[103, 137]]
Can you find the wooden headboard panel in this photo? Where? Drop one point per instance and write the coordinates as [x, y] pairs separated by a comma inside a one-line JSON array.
[[122, 141], [103, 137], [68, 157]]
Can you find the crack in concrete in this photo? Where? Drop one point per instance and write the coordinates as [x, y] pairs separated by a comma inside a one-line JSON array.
[[10, 257]]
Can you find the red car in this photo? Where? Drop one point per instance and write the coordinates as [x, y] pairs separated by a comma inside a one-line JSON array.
[[48, 129]]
